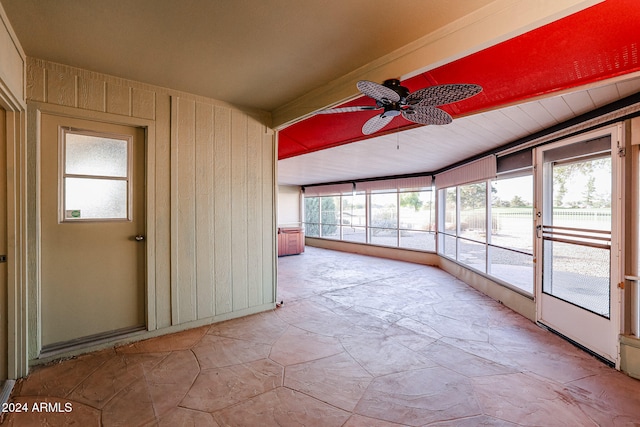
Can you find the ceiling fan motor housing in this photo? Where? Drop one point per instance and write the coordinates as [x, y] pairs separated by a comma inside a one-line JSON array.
[[394, 84]]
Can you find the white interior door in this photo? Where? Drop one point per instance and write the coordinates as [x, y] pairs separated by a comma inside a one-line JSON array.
[[578, 264]]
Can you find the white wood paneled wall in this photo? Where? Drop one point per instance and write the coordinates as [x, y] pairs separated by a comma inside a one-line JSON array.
[[212, 210]]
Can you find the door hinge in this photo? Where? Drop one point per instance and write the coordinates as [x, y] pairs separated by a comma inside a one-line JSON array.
[[3, 258], [621, 285], [622, 152]]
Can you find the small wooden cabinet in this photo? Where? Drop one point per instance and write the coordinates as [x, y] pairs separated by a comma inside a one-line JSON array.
[[290, 241]]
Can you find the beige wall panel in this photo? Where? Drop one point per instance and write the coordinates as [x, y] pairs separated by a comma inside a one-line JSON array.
[[91, 94], [60, 87], [254, 212], [143, 103], [213, 175], [183, 206], [118, 99], [268, 218], [222, 211], [205, 205], [163, 211], [36, 79], [239, 220], [13, 61]]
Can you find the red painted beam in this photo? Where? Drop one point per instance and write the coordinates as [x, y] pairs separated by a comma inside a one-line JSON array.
[[595, 44]]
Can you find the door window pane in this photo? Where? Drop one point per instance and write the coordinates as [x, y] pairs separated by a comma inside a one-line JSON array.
[[578, 274], [582, 194], [92, 155], [95, 198], [95, 177]]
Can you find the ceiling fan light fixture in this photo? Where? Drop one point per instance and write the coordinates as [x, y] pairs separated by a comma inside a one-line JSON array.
[[419, 107]]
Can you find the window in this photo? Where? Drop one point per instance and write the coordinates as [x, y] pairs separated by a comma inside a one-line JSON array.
[[448, 222], [312, 216], [354, 218], [472, 234], [385, 217], [416, 218], [488, 226], [95, 176], [511, 248], [330, 217]]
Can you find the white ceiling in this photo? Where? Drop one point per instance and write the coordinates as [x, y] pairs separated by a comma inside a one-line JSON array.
[[430, 148]]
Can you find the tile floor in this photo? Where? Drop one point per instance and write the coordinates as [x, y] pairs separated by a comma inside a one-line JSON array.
[[359, 341]]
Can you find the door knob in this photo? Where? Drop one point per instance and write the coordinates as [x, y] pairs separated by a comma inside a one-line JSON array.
[[139, 238]]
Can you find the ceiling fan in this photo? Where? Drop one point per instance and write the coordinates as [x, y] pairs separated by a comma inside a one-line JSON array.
[[419, 106]]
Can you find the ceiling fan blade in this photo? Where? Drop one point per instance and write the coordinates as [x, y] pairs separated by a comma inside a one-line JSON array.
[[347, 109], [443, 94], [427, 115], [377, 91], [375, 123]]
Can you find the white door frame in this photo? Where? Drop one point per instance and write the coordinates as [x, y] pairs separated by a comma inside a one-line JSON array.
[[613, 328]]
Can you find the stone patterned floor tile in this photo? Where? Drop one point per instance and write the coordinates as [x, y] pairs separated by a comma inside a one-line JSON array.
[[297, 346], [58, 379], [383, 355], [360, 421], [527, 400], [464, 363], [215, 352], [178, 341], [131, 407], [337, 380], [419, 397], [378, 344], [181, 417], [609, 398], [263, 328], [170, 381], [412, 334], [312, 316], [113, 376], [479, 421], [216, 389], [282, 407]]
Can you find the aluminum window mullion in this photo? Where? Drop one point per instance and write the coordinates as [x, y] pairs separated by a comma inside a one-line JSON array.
[[397, 219]]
